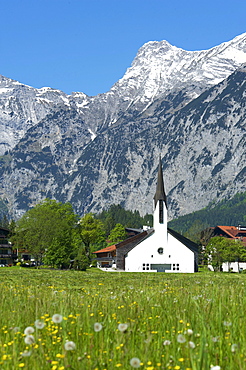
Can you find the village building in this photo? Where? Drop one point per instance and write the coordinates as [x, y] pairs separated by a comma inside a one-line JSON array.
[[231, 232], [158, 249], [7, 254], [236, 233]]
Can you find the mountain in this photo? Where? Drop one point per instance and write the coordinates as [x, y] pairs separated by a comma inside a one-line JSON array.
[[227, 212], [188, 106], [158, 70]]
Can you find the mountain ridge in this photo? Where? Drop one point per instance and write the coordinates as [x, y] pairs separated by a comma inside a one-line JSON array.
[[97, 151]]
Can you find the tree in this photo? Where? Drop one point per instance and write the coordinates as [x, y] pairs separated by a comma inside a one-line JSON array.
[[47, 230], [92, 232], [118, 234], [216, 253], [220, 249]]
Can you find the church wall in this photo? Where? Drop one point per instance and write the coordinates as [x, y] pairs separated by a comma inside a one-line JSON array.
[[176, 257]]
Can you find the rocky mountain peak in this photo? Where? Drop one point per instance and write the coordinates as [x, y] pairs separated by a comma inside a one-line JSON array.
[[94, 151]]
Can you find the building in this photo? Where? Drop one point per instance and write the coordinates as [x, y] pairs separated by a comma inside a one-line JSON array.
[[159, 249], [7, 255], [231, 232]]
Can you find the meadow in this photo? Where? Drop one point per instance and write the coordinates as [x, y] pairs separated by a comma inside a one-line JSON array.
[[52, 319]]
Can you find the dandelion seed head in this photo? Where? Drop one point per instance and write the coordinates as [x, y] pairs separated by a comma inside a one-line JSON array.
[[191, 344], [122, 327], [217, 367], [181, 338], [227, 323], [26, 353], [97, 326], [234, 347], [166, 342], [29, 330], [135, 362], [56, 318], [29, 339], [70, 346], [39, 324], [215, 339]]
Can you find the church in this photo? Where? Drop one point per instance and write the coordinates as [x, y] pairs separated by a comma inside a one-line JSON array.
[[159, 249]]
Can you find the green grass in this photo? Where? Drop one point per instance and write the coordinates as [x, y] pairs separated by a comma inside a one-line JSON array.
[[206, 309]]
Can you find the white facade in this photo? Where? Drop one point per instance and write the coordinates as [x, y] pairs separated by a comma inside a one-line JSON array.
[[160, 251], [233, 266], [147, 256]]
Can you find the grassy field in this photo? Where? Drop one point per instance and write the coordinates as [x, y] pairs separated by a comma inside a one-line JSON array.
[[54, 319]]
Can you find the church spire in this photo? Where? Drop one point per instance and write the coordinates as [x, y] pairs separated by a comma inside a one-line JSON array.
[[160, 192]]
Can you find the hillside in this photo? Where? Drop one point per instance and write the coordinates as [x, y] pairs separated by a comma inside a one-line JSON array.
[[227, 212]]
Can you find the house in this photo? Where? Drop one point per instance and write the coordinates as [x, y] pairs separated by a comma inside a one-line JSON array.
[[106, 256], [233, 233], [7, 255], [159, 249]]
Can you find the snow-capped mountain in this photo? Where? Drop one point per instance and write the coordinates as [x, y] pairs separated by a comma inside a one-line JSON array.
[[158, 70], [96, 151]]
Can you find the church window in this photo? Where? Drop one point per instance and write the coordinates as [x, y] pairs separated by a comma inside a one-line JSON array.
[[160, 250], [176, 266], [160, 211]]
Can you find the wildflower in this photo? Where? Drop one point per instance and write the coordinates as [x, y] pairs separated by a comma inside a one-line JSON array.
[[29, 339], [29, 330], [189, 331], [135, 362], [69, 346], [191, 344], [181, 338], [227, 323], [234, 347], [57, 318], [166, 342], [97, 326], [122, 327], [214, 367], [215, 339], [39, 324], [26, 353], [22, 364]]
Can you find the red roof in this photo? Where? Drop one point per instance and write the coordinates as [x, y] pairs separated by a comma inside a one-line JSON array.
[[234, 232], [107, 249]]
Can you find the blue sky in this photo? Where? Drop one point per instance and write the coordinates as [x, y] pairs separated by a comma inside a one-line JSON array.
[[87, 45]]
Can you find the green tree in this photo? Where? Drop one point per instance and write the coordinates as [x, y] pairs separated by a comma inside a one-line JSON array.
[[46, 230], [118, 234], [215, 252], [220, 249], [92, 233]]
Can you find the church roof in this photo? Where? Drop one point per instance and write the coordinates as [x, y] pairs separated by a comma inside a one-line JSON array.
[[160, 192], [187, 242]]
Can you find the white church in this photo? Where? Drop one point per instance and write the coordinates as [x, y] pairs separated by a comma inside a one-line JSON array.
[[159, 249]]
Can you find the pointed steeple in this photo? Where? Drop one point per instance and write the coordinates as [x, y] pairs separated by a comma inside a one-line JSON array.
[[160, 192]]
